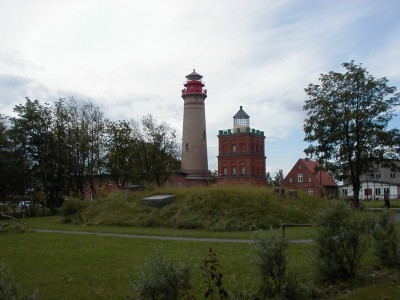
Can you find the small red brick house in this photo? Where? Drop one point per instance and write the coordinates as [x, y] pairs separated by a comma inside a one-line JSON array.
[[305, 176], [241, 158]]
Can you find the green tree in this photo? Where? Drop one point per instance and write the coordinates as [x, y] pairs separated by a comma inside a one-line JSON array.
[[278, 178], [80, 132], [347, 123], [121, 154], [13, 166], [158, 150], [32, 133]]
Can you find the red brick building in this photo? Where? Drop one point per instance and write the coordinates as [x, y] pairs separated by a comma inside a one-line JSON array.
[[241, 158], [305, 176]]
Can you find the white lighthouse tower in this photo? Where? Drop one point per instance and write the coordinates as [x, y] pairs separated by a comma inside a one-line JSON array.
[[194, 135]]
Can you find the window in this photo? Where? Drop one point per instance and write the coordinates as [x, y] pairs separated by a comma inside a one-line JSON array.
[[378, 175], [309, 179], [290, 180], [204, 135], [300, 177], [109, 182], [344, 192], [392, 175], [243, 170], [225, 171], [310, 191], [187, 147], [377, 191], [234, 170], [119, 182], [371, 176], [234, 148]]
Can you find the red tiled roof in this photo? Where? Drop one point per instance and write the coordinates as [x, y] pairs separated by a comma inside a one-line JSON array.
[[325, 178]]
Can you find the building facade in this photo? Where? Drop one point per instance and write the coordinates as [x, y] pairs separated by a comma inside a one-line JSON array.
[[305, 176], [375, 184], [241, 158]]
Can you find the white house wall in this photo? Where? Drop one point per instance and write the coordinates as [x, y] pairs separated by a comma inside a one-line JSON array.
[[377, 190]]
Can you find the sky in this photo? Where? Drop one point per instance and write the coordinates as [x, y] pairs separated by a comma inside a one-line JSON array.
[[130, 58]]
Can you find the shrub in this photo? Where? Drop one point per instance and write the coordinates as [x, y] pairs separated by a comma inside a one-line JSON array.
[[271, 261], [386, 241], [341, 242], [160, 279], [73, 206]]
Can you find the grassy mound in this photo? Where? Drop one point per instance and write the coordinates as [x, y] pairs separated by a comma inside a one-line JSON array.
[[216, 208]]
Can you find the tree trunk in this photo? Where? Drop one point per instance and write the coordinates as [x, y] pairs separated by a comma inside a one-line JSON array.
[[356, 188]]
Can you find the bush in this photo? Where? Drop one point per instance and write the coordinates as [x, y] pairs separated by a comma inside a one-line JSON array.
[[272, 264], [160, 279], [386, 241], [341, 242], [73, 206]]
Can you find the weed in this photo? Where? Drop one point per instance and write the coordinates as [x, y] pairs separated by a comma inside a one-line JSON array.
[[210, 267]]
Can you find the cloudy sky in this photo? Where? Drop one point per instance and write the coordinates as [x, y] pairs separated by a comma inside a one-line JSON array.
[[130, 58]]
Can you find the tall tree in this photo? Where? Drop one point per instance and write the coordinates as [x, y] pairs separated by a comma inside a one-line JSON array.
[[14, 179], [121, 158], [278, 178], [159, 150], [347, 123], [33, 136]]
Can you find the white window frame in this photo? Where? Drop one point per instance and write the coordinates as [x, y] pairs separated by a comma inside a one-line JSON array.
[[300, 177]]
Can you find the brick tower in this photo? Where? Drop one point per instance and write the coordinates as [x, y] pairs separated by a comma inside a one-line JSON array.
[[241, 158], [194, 136]]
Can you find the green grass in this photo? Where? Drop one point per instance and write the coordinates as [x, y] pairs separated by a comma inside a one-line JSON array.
[[380, 203], [69, 266], [212, 209], [66, 266], [92, 267]]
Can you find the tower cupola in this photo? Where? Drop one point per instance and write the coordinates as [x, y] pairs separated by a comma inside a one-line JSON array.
[[241, 120]]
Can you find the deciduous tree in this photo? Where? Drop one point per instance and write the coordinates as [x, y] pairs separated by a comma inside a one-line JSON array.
[[347, 122]]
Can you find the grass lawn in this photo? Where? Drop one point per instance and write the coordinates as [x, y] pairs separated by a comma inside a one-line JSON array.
[[93, 267], [68, 266]]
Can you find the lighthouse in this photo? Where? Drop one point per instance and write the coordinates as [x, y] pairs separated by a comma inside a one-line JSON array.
[[194, 135]]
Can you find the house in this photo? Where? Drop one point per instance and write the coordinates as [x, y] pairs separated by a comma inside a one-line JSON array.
[[375, 184], [97, 184], [305, 176]]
